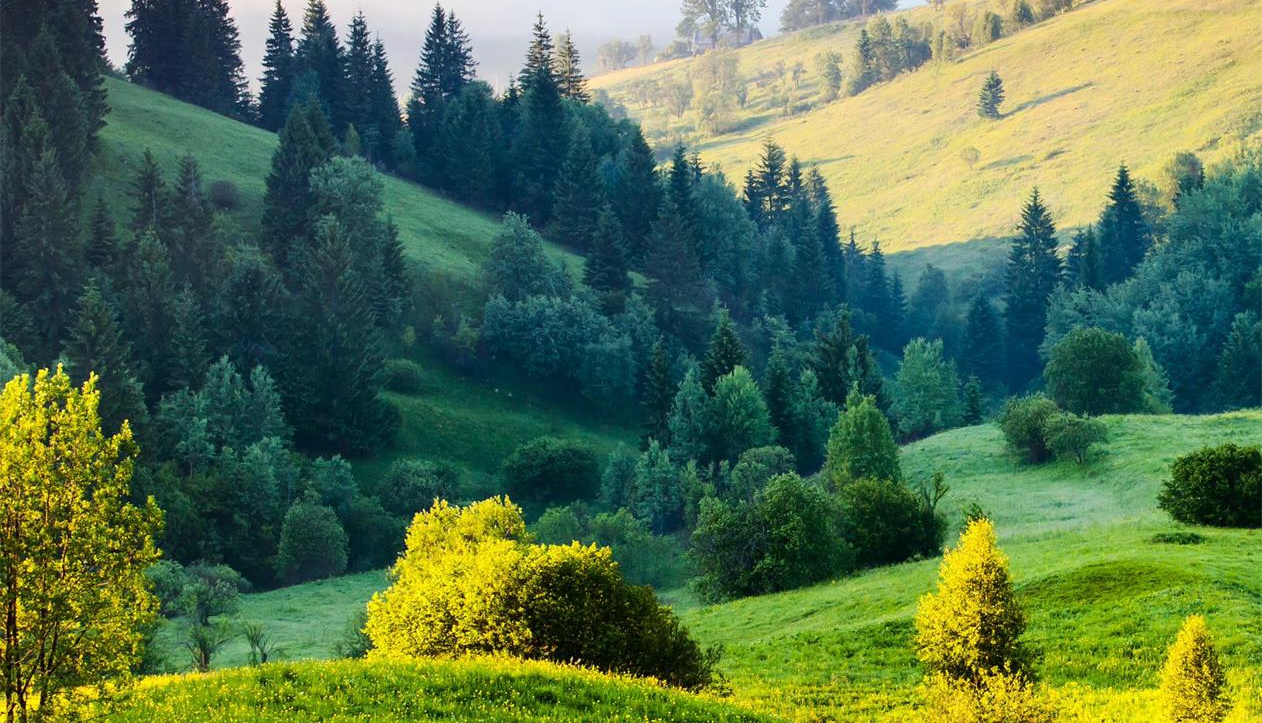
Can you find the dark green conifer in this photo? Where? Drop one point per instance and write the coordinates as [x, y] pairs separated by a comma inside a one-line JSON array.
[[579, 194], [974, 402], [1125, 236], [469, 152], [148, 310], [724, 353], [305, 144], [982, 352], [385, 108], [540, 61], [149, 194], [570, 72], [659, 393], [277, 84], [606, 268], [542, 139], [1083, 263], [1033, 272], [48, 252], [95, 345], [102, 249], [189, 235], [778, 391], [990, 97], [190, 355], [320, 55], [638, 193]]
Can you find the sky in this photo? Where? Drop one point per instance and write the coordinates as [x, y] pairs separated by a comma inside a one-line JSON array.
[[499, 29]]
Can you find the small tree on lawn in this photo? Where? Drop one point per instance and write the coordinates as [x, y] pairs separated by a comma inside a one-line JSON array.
[[1192, 680], [990, 97]]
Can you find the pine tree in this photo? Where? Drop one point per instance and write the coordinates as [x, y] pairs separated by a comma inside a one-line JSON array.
[[446, 67], [1193, 683], [638, 193], [974, 402], [659, 393], [305, 144], [690, 426], [385, 108], [606, 267], [95, 345], [671, 264], [24, 142], [897, 317], [880, 301], [862, 71], [189, 49], [278, 71], [359, 64], [724, 353], [194, 251], [150, 212], [252, 313], [856, 270], [1083, 263], [319, 55], [1033, 271], [61, 106], [813, 289], [680, 181], [542, 140], [1238, 380], [841, 359], [579, 194], [48, 251], [828, 233], [102, 251], [1124, 234], [569, 71], [469, 154], [148, 309], [540, 64], [990, 97], [982, 352], [190, 355], [765, 186], [778, 392]]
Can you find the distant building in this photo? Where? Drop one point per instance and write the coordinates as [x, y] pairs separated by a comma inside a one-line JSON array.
[[702, 42]]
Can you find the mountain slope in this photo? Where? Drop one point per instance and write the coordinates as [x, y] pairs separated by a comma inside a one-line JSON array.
[[1112, 81]]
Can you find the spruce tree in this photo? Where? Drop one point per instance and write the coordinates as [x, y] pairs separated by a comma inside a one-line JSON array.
[[1083, 263], [828, 233], [359, 65], [150, 210], [990, 97], [1238, 379], [95, 345], [252, 310], [148, 308], [446, 67], [320, 55], [680, 180], [570, 72], [1125, 236], [540, 64], [579, 194], [469, 154], [189, 354], [385, 108], [61, 106], [305, 144], [1033, 272], [812, 283], [671, 265], [982, 352], [102, 248], [638, 193], [974, 402], [724, 353], [766, 188], [25, 140], [606, 269], [840, 358], [542, 139], [277, 84], [778, 393], [189, 49], [194, 250], [659, 393], [862, 71], [48, 251]]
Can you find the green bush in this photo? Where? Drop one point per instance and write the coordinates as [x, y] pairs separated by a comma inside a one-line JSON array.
[[412, 485], [755, 468], [861, 444], [375, 536], [1023, 421], [1069, 436], [1219, 486], [403, 376], [549, 469], [645, 558], [1092, 372], [313, 544], [885, 522], [470, 581]]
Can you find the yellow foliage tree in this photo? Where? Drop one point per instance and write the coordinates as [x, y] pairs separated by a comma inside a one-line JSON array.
[[973, 623], [1192, 680], [72, 548]]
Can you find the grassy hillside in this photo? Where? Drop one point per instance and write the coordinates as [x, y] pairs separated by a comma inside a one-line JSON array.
[[467, 691], [1104, 599], [1112, 81], [455, 418]]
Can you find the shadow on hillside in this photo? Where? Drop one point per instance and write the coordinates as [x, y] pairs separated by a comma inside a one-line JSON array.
[[1005, 162], [1048, 98]]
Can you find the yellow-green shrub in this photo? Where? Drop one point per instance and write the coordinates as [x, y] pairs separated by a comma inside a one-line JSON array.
[[1193, 681], [996, 696]]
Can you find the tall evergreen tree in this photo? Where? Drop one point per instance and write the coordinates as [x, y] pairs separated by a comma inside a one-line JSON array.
[[23, 144], [95, 345], [638, 193], [862, 71], [148, 306], [543, 138], [385, 108], [102, 248], [446, 67], [724, 353], [570, 72], [1238, 380], [61, 105], [579, 194], [305, 143], [277, 84], [1083, 265], [840, 359], [812, 283], [540, 58], [48, 253], [671, 264], [320, 57], [1033, 271], [189, 49], [252, 314], [606, 268], [828, 232], [990, 97], [659, 393], [766, 188], [982, 352], [469, 154], [1125, 236], [189, 353], [359, 64], [778, 391], [194, 251], [150, 211]]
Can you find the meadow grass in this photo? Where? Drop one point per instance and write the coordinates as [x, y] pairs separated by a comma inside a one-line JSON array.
[[462, 691], [1112, 81]]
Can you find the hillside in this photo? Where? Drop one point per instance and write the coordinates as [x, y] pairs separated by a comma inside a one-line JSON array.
[[451, 416], [1104, 599], [472, 691], [1095, 87]]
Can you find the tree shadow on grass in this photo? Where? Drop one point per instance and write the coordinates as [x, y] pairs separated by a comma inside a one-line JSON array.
[[1048, 98]]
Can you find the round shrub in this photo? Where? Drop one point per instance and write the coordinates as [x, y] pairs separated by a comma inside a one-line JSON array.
[[756, 467], [549, 469], [412, 485], [1070, 436], [313, 544], [1023, 420], [1219, 486], [885, 522], [225, 195], [1092, 371], [402, 375]]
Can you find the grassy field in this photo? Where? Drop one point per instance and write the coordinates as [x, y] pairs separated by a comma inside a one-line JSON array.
[[1104, 599], [467, 691], [1112, 81]]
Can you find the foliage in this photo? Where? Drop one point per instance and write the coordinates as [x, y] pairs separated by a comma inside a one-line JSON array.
[[313, 543], [550, 469], [738, 416], [861, 445], [990, 97], [1220, 486], [971, 626], [470, 581], [887, 523], [1024, 421], [413, 485], [74, 546], [926, 390], [1192, 680], [1071, 436], [997, 697], [402, 375], [1093, 372]]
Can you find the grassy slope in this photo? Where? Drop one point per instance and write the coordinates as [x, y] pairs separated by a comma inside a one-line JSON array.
[[1113, 81], [1104, 601], [455, 418], [469, 691]]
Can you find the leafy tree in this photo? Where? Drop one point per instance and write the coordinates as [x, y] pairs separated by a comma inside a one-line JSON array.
[[1033, 272], [974, 622], [517, 267], [886, 523], [278, 71], [1071, 436], [1193, 682], [657, 490], [1093, 372], [413, 485], [579, 194], [1023, 421], [738, 416], [1125, 236], [861, 445], [990, 97], [926, 391], [75, 595], [549, 469], [709, 17], [755, 468], [313, 544], [95, 346], [1219, 486], [786, 537]]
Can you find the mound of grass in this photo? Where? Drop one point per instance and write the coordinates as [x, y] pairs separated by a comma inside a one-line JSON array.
[[472, 691], [1113, 81]]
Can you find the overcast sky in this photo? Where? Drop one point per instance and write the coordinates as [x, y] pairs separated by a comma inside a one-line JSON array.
[[499, 29]]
